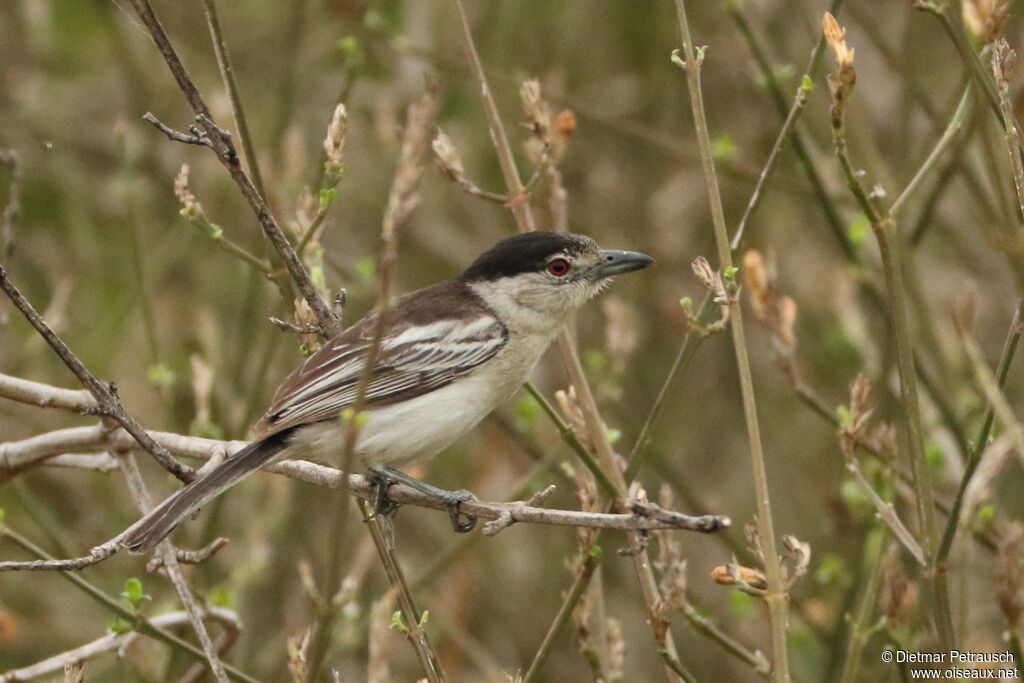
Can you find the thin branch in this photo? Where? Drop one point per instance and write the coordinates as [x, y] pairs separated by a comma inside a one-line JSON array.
[[776, 597], [520, 206], [227, 75], [887, 513], [974, 454], [889, 240], [220, 142], [414, 620], [140, 623], [139, 493], [108, 403], [949, 136], [110, 643], [520, 209], [321, 475]]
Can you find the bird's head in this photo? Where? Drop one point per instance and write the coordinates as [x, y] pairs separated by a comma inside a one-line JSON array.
[[548, 273]]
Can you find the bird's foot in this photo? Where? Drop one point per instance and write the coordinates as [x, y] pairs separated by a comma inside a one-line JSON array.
[[382, 504], [462, 522]]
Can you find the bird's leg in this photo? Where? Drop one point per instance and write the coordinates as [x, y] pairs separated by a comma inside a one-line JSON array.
[[462, 522], [382, 505]]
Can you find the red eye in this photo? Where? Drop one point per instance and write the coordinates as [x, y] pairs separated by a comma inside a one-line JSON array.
[[558, 267]]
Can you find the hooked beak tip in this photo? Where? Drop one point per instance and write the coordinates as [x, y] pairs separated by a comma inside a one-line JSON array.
[[616, 262]]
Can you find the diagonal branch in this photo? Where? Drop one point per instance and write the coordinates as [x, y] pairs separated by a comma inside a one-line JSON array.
[[108, 404], [220, 141]]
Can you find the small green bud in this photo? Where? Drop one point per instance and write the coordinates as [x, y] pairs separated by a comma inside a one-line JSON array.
[[327, 196], [133, 593], [686, 303], [596, 552], [806, 85], [397, 623], [119, 626], [614, 436], [216, 232], [730, 273]]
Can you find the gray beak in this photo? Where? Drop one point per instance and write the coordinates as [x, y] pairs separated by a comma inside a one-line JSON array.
[[615, 262]]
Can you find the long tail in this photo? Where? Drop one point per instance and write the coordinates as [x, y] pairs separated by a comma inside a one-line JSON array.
[[146, 533]]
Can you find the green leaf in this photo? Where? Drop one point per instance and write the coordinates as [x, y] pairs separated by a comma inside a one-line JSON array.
[[831, 570], [845, 416], [934, 455], [327, 196], [366, 268], [133, 592], [723, 148], [119, 626], [161, 376], [222, 597], [527, 412], [397, 623], [741, 603], [859, 230]]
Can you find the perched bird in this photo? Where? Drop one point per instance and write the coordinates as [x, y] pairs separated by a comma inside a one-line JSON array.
[[449, 354]]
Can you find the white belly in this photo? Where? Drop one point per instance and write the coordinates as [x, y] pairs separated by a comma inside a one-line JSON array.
[[420, 428]]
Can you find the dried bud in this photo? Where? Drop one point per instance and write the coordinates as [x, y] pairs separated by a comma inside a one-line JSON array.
[[985, 18], [835, 35], [706, 274], [898, 597], [799, 553], [565, 125], [334, 143], [448, 158], [854, 418], [747, 579], [1004, 60], [772, 309], [298, 648], [841, 83]]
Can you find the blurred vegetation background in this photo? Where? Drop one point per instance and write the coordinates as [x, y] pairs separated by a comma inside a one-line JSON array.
[[144, 298]]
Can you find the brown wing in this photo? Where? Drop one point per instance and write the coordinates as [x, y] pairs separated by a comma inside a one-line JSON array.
[[433, 345]]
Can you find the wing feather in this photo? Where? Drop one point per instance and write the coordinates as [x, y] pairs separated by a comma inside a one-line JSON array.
[[413, 359]]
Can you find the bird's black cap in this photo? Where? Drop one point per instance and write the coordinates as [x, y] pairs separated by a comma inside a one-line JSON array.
[[523, 253]]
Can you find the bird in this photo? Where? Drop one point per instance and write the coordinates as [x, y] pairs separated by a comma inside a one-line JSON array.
[[448, 354]]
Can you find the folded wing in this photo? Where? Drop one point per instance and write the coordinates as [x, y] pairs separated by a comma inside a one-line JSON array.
[[413, 359]]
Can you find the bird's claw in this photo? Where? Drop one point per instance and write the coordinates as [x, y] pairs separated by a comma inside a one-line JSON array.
[[382, 504], [462, 522]]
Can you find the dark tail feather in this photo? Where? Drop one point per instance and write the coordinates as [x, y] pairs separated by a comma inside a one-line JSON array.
[[146, 533]]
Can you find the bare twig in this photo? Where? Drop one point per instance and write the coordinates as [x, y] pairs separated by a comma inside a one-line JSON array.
[[413, 619], [108, 404], [166, 552], [220, 141], [889, 241], [110, 643], [190, 556], [227, 75], [140, 623], [776, 596]]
